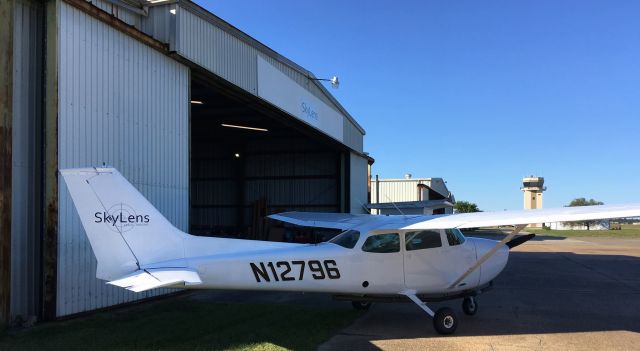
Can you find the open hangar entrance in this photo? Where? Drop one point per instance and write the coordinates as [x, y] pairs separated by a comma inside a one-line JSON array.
[[239, 175]]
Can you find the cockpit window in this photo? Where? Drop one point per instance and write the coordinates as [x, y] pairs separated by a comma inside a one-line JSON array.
[[382, 243], [346, 239], [425, 239], [454, 236]]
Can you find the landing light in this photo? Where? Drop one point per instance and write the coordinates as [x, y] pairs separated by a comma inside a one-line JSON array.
[[244, 127]]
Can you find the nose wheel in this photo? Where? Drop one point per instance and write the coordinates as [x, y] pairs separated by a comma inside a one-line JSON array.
[[469, 306]]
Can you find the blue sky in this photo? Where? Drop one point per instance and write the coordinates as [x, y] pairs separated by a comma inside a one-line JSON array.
[[480, 93]]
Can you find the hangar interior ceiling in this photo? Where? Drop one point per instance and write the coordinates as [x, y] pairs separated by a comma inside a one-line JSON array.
[[237, 176]]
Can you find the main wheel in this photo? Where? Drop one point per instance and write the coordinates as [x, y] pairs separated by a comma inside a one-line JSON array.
[[445, 321], [361, 305], [469, 306]]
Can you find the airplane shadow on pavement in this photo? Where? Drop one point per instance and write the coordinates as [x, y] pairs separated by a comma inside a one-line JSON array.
[[538, 293]]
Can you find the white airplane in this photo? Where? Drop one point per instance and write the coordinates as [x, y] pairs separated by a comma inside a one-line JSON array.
[[376, 258]]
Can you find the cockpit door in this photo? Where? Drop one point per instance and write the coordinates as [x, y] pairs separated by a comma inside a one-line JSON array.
[[433, 259], [380, 264]]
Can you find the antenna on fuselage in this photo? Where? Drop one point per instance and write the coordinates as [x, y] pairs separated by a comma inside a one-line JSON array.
[[364, 206]]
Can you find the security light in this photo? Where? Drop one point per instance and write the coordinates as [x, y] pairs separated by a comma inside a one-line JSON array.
[[335, 82]]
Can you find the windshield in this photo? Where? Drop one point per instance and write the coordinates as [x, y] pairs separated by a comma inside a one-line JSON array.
[[346, 239], [454, 236]]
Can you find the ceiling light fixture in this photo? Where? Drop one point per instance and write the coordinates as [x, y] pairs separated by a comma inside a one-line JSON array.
[[244, 127], [196, 102]]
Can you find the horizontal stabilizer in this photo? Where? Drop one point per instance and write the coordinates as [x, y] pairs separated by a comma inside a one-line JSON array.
[[147, 279]]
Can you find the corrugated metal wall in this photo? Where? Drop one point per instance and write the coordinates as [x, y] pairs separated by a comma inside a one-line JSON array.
[[294, 180], [216, 50], [287, 177], [120, 13], [127, 105], [160, 23], [397, 190], [27, 110], [352, 136], [358, 186]]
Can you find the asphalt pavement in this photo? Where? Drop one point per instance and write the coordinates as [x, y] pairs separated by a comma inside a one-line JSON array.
[[555, 294]]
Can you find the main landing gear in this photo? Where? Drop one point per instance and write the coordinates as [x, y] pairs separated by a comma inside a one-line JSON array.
[[445, 320], [361, 305]]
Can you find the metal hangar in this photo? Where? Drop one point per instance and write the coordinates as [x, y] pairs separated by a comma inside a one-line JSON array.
[[215, 128]]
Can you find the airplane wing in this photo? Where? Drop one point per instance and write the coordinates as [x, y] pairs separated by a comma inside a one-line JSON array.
[[341, 221], [521, 217]]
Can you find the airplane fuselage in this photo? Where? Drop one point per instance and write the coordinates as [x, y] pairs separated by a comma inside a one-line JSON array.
[[331, 268]]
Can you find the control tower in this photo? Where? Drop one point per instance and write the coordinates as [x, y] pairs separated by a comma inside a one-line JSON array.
[[533, 188]]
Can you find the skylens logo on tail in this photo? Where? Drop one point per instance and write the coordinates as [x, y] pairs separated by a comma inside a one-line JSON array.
[[121, 218]]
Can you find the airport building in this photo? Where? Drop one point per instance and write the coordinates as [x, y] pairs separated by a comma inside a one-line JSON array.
[[410, 196], [213, 127]]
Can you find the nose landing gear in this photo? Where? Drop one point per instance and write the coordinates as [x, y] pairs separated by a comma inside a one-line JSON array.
[[469, 306], [361, 305]]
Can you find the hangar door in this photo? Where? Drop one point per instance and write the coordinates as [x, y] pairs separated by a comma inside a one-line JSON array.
[[249, 160]]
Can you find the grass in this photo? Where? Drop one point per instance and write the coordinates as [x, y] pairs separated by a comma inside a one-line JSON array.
[[627, 231], [184, 324]]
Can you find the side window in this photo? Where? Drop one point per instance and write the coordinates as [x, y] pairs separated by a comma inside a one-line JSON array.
[[454, 236], [425, 239], [346, 239], [382, 243]]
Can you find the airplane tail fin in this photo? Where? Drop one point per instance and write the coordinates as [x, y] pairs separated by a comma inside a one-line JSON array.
[[124, 229]]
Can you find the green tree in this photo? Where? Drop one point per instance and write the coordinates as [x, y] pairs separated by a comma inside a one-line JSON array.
[[465, 207], [581, 201]]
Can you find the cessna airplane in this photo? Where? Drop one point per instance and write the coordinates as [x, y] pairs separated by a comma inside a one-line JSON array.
[[376, 258]]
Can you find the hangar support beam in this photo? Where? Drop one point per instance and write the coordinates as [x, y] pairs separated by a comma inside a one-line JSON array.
[[6, 140], [50, 181]]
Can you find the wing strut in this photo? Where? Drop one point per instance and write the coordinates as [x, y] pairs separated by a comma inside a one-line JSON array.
[[486, 256]]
